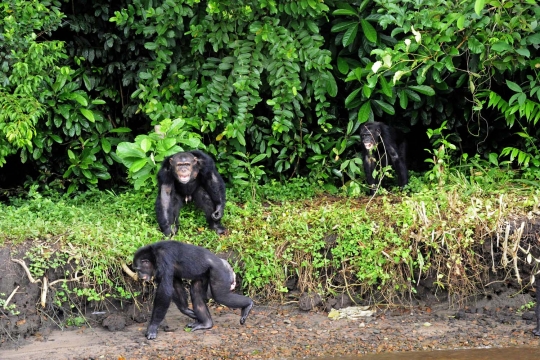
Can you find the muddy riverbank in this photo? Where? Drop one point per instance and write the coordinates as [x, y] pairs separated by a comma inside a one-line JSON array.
[[282, 332]]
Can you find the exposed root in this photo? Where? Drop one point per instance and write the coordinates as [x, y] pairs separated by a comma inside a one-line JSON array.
[[10, 296], [23, 264], [45, 281], [128, 271]]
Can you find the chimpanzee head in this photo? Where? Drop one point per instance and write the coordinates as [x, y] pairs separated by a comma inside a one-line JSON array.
[[185, 167], [143, 262], [370, 135]]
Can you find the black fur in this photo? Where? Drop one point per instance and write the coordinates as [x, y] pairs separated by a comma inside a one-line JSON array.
[[536, 331], [170, 262], [205, 187], [378, 134]]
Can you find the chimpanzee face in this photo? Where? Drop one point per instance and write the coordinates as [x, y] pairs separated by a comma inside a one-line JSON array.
[[145, 269], [185, 167], [370, 137]]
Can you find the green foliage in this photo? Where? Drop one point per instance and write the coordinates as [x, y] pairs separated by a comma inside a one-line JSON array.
[[45, 114], [523, 109], [253, 85], [440, 155], [286, 231], [10, 308], [143, 157]]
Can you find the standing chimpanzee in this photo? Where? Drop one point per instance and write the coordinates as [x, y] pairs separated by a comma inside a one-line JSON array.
[[185, 176], [373, 134], [170, 262]]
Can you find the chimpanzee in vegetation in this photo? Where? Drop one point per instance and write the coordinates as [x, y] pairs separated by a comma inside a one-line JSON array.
[[170, 262], [185, 176], [380, 141]]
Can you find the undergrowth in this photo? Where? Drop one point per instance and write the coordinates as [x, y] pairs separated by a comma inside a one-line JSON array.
[[374, 247]]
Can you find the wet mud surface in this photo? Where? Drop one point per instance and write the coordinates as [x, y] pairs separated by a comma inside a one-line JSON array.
[[288, 333]]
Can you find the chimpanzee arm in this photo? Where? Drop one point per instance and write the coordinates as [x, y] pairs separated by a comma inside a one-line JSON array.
[[369, 162], [397, 157], [164, 293], [212, 182], [168, 202]]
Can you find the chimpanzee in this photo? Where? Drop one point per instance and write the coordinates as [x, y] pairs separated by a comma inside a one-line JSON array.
[[392, 144], [536, 331], [185, 176], [170, 262]]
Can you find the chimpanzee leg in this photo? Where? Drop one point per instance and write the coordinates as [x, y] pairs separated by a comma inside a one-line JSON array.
[[161, 305], [204, 202], [398, 161], [221, 292], [369, 165], [168, 204], [537, 309], [198, 294], [180, 299]]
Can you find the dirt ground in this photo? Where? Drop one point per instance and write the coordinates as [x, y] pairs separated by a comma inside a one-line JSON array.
[[285, 332]]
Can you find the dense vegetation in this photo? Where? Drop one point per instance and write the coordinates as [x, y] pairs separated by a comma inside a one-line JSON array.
[[273, 89], [94, 94]]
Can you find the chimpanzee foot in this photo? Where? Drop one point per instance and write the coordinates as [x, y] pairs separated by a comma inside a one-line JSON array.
[[200, 326], [220, 229], [536, 331], [151, 332], [245, 313]]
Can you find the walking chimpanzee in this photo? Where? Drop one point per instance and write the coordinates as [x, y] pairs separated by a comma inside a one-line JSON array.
[[380, 142], [185, 176], [170, 262]]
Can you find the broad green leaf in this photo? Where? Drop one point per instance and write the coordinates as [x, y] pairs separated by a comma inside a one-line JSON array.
[[423, 89], [343, 66], [331, 85], [460, 23], [120, 130], [403, 99], [475, 46], [352, 96], [365, 112], [71, 155], [386, 107], [501, 46], [258, 158], [78, 98], [524, 52], [88, 114], [105, 145], [125, 150], [343, 25], [386, 88], [350, 35], [138, 165], [513, 86], [346, 12], [478, 6], [534, 39], [369, 31], [146, 144]]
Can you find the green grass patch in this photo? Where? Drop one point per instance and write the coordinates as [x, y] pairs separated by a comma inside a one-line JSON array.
[[328, 243]]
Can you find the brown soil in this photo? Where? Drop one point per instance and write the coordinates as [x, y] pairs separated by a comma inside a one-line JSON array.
[[286, 332]]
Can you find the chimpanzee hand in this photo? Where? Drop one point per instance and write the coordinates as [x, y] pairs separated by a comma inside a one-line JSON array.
[[218, 214]]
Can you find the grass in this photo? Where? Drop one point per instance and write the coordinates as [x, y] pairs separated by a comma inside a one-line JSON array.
[[377, 248]]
